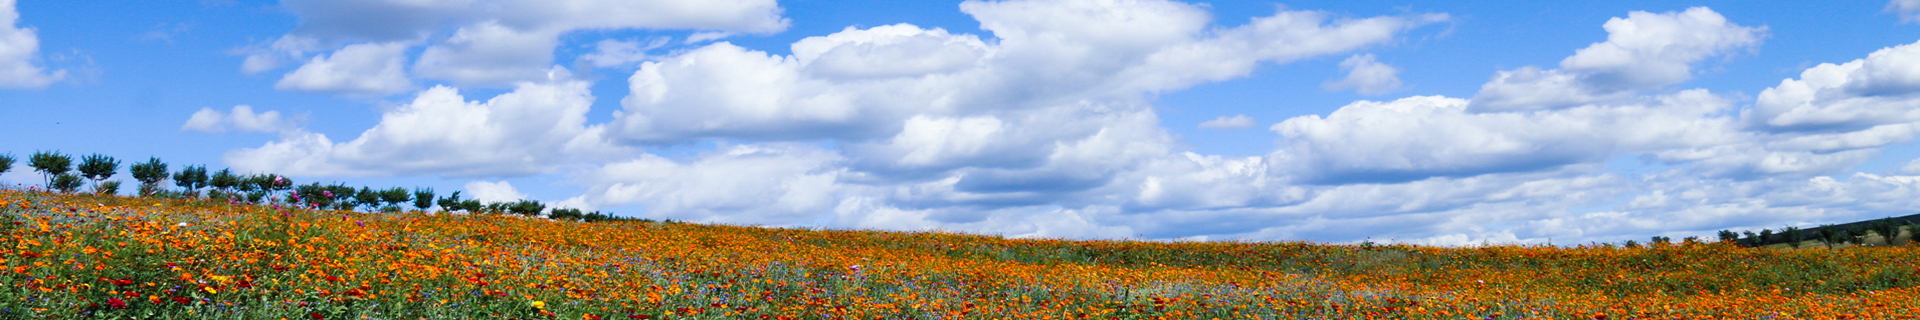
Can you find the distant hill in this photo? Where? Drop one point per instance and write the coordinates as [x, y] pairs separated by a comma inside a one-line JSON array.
[[1864, 232]]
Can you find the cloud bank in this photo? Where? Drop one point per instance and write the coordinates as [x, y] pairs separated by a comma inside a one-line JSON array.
[[19, 47], [1046, 128]]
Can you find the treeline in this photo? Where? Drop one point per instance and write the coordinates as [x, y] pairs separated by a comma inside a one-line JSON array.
[[194, 182], [1857, 233]]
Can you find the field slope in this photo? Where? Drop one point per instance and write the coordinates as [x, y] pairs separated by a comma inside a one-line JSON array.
[[81, 256]]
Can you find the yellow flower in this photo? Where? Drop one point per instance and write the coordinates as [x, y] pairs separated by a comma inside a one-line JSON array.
[[539, 305]]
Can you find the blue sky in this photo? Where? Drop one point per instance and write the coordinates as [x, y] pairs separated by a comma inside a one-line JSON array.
[[1443, 123]]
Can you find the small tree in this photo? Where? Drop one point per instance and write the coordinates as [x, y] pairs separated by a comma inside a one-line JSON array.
[[471, 206], [1766, 237], [99, 168], [394, 197], [149, 174], [366, 197], [191, 178], [1753, 240], [528, 208], [1888, 229], [50, 164], [343, 196], [1631, 244], [67, 182], [423, 198], [1792, 235], [6, 162], [1728, 236], [1840, 237], [564, 214], [224, 181], [451, 202]]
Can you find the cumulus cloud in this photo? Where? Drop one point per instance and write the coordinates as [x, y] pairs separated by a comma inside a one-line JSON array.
[[18, 49], [241, 118], [1225, 122], [491, 192], [1643, 51], [1366, 76], [477, 42], [367, 69], [532, 129]]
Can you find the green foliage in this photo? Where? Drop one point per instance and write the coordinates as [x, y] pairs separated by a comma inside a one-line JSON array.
[[423, 198], [224, 180], [526, 208], [1840, 237], [1792, 235], [1752, 240], [1887, 228], [6, 162], [451, 202], [366, 197], [67, 182], [99, 167], [107, 188], [149, 174], [1729, 236], [191, 179], [395, 196], [50, 164], [565, 214]]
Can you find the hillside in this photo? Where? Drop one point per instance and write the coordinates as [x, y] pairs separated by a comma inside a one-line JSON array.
[[84, 256]]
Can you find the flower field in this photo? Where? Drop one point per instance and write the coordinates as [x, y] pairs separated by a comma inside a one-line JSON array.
[[89, 256]]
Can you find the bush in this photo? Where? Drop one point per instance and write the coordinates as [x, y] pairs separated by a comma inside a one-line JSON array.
[[528, 208], [107, 188], [396, 196], [1792, 235], [1728, 236], [224, 180], [66, 183], [366, 197], [452, 203]]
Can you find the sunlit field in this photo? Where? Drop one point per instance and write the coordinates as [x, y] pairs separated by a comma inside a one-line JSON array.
[[88, 256]]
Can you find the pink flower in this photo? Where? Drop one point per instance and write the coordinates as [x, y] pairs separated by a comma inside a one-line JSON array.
[[116, 303]]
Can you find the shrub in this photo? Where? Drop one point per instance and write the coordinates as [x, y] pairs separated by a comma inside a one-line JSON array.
[[1792, 235], [50, 164], [1631, 244], [526, 208], [1753, 240], [149, 174], [1887, 229], [1840, 236], [567, 214], [67, 182], [107, 188], [1728, 235], [1766, 237], [224, 180]]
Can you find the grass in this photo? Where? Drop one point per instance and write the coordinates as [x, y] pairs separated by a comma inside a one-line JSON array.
[[85, 256]]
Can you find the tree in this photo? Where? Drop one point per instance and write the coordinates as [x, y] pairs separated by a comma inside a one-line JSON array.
[[1792, 234], [451, 202], [149, 174], [1766, 237], [1728, 235], [191, 178], [98, 167], [1753, 240], [423, 198], [1841, 236], [224, 180], [368, 198], [343, 196], [528, 208], [1631, 244], [1887, 229], [1660, 240], [6, 162], [565, 214], [394, 197], [67, 182], [50, 164]]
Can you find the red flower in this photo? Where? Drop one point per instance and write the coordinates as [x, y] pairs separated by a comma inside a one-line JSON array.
[[116, 303], [315, 315], [333, 279], [121, 282], [639, 316], [182, 300]]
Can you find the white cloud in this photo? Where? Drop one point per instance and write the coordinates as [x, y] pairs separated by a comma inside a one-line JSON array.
[[1908, 10], [241, 118], [492, 192], [1225, 122], [782, 185], [532, 129], [367, 69], [18, 47], [1366, 76], [489, 42], [1642, 51]]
